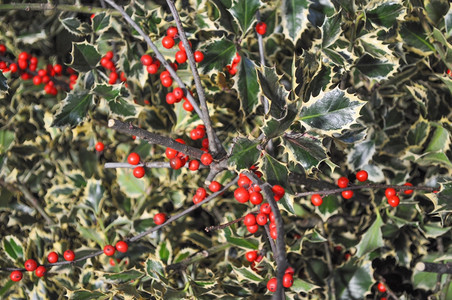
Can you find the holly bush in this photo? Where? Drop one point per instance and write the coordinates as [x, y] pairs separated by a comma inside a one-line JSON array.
[[281, 99]]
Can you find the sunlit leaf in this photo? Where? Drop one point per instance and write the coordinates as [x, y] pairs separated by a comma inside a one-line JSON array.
[[85, 57], [73, 109]]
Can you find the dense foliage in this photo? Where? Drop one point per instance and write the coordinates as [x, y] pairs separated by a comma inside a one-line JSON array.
[[343, 86]]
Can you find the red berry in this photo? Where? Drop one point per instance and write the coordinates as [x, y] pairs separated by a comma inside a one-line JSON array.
[[362, 176], [16, 276], [69, 255], [256, 198], [193, 165], [114, 261], [381, 287], [206, 159], [52, 257], [196, 199], [272, 225], [170, 98], [316, 200], [178, 93], [110, 65], [181, 56], [138, 172], [201, 192], [171, 31], [146, 59], [252, 228], [249, 220], [182, 47], [199, 56], [99, 146], [13, 67], [278, 190], [271, 285], [23, 64], [287, 280], [109, 55], [57, 68], [152, 68], [290, 270], [394, 201], [23, 56], [243, 181], [167, 81], [37, 80], [274, 233], [251, 256], [2, 48], [347, 194], [261, 219], [180, 141], [160, 218], [408, 192], [205, 143], [30, 265], [40, 271], [171, 153], [271, 216], [342, 182], [266, 208], [215, 186], [241, 195], [390, 192], [133, 158], [261, 28], [236, 58], [187, 106], [109, 250], [122, 246], [176, 163], [168, 42]]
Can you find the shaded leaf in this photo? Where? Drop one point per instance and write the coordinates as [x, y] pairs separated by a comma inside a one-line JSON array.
[[274, 171], [247, 274], [302, 286], [244, 13], [217, 55], [109, 92], [94, 192], [415, 37], [6, 139], [374, 67], [84, 57], [131, 186], [73, 109], [385, 14], [3, 84], [121, 107], [101, 22], [85, 295], [331, 30], [304, 149], [125, 275], [436, 9], [294, 18], [372, 238], [354, 282], [274, 91], [74, 26], [247, 85], [244, 153]]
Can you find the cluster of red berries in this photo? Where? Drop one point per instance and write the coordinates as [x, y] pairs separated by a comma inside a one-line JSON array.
[[381, 287], [107, 62], [287, 280], [232, 69], [261, 28], [27, 67], [181, 55], [134, 159], [177, 95], [69, 255], [391, 195]]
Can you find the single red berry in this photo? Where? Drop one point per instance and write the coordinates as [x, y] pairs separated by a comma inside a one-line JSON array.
[[181, 56], [362, 176], [109, 55], [249, 220], [241, 195], [57, 68], [187, 106], [133, 158], [271, 216], [152, 68], [122, 246], [383, 298], [274, 233], [23, 64], [167, 81], [251, 256], [99, 146], [390, 192], [182, 47], [342, 182], [194, 134], [271, 285], [261, 219], [69, 255], [408, 192], [236, 58], [287, 280], [178, 93], [266, 208], [278, 190], [16, 276], [52, 257], [170, 98], [290, 270], [244, 181], [199, 133], [40, 271], [139, 172], [193, 165], [206, 159], [256, 198], [449, 72], [2, 48], [252, 228], [199, 56], [316, 200], [146, 59], [394, 201], [109, 250], [30, 265], [272, 225], [37, 80], [196, 199], [205, 143], [23, 56], [381, 287], [171, 153], [347, 194], [171, 31], [176, 163], [215, 186], [13, 67], [261, 28], [201, 192], [110, 65], [160, 218]]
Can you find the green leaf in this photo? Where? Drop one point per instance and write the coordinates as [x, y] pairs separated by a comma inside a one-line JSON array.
[[244, 153], [415, 37], [302, 286], [244, 12], [121, 107], [247, 85], [109, 92], [372, 238], [435, 158], [247, 275], [6, 139], [274, 171], [84, 57], [375, 68], [294, 18], [74, 26], [448, 23], [12, 247], [274, 91], [3, 84], [331, 30], [385, 14], [85, 295], [436, 9], [91, 234], [131, 186], [73, 109], [125, 275], [361, 154], [100, 22], [94, 192], [333, 110], [217, 55], [357, 280], [165, 252], [154, 267], [249, 243], [439, 141], [304, 149]]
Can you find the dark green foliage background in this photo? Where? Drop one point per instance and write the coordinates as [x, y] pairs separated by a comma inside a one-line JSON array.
[[352, 85]]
